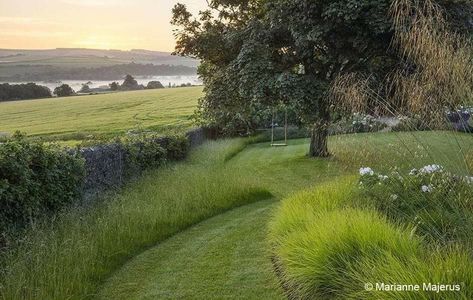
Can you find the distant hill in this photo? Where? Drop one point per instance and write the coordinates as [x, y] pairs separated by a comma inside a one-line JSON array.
[[96, 56], [18, 64]]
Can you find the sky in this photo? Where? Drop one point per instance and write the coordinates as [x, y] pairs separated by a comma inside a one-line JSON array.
[[98, 24]]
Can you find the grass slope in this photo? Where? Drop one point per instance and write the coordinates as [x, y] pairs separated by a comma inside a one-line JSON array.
[[109, 114], [223, 257]]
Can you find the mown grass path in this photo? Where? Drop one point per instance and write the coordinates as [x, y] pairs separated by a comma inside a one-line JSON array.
[[228, 256], [223, 257]]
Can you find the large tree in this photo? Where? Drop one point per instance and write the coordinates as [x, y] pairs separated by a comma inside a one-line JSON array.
[[258, 54]]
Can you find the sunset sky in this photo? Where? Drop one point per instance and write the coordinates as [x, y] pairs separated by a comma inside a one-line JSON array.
[[103, 24]]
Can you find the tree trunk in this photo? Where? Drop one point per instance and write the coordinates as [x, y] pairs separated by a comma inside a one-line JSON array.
[[318, 140]]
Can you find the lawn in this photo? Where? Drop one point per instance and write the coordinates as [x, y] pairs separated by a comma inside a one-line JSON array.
[[88, 117], [142, 243]]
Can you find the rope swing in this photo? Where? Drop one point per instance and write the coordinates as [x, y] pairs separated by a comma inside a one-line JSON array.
[[273, 144]]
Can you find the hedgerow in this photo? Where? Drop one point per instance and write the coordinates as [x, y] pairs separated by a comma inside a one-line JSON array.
[[35, 179]]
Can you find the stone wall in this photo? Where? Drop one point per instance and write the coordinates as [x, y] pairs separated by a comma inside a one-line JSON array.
[[106, 168]]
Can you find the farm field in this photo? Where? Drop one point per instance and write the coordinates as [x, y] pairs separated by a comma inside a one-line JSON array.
[[89, 117], [226, 255]]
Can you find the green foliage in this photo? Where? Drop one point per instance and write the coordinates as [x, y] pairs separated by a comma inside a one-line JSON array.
[[433, 201], [258, 54], [114, 86], [85, 89], [328, 243], [35, 179], [130, 83], [154, 85], [144, 152], [356, 123], [30, 90], [63, 90], [177, 147]]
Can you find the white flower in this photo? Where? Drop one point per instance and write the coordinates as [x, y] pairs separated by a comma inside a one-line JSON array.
[[427, 188], [382, 177], [393, 197], [469, 180], [413, 172], [431, 169], [366, 171]]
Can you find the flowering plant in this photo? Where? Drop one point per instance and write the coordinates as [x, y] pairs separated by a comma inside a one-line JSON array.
[[434, 201]]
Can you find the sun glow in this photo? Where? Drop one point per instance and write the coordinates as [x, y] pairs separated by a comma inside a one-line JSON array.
[[104, 24]]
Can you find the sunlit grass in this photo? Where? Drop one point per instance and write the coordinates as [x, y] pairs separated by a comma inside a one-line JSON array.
[[86, 117]]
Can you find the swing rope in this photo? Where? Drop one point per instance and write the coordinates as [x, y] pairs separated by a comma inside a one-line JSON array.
[[285, 129]]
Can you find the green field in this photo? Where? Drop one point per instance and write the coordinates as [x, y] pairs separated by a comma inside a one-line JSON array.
[[88, 117]]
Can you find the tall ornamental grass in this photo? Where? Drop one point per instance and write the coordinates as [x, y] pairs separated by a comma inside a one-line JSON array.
[[70, 258], [329, 243]]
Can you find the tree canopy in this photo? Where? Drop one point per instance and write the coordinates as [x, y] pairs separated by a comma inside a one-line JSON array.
[[258, 54], [64, 90]]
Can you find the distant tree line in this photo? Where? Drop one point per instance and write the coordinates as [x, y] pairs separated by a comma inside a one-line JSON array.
[[9, 92], [23, 91], [102, 73]]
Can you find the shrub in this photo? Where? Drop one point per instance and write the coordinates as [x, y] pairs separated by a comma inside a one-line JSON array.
[[34, 179], [436, 202], [64, 90], [356, 123], [177, 147], [154, 85], [146, 152]]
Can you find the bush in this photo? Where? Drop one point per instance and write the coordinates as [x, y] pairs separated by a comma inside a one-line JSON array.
[[437, 203], [64, 90], [146, 152], [154, 85], [356, 123], [177, 147], [35, 179]]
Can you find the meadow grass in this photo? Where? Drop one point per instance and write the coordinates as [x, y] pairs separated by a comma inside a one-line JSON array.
[[69, 259], [86, 117], [328, 243], [230, 246], [72, 258]]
